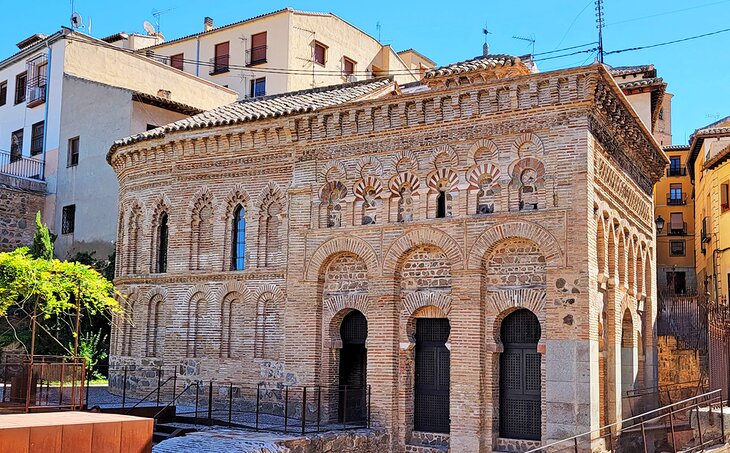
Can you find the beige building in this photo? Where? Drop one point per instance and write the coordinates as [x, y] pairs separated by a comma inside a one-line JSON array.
[[66, 98], [287, 50], [478, 249], [709, 167]]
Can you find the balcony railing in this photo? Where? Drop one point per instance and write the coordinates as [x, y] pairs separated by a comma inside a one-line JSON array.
[[677, 171], [21, 166], [256, 55], [677, 199], [705, 231], [36, 91], [675, 231], [219, 64]]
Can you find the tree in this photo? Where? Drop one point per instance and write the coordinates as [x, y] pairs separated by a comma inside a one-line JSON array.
[[42, 243]]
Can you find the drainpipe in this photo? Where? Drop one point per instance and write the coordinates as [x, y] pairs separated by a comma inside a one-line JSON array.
[[45, 113], [197, 56]]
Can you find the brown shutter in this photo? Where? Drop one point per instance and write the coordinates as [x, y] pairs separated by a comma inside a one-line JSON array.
[[258, 40], [258, 48], [221, 56]]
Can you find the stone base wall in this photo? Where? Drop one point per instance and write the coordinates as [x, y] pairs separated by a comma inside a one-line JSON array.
[[358, 441], [679, 369], [20, 199]]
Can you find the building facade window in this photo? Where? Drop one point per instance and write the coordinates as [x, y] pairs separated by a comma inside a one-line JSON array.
[[36, 138], [676, 196], [3, 92], [676, 248], [73, 152], [677, 226], [724, 197], [21, 83], [238, 261], [348, 67], [222, 57], [162, 243], [675, 166], [258, 87], [37, 75], [178, 61], [68, 219], [257, 54], [320, 53], [16, 145]]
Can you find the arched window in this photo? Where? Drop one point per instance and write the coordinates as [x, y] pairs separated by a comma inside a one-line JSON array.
[[238, 241], [405, 204], [441, 205], [162, 240]]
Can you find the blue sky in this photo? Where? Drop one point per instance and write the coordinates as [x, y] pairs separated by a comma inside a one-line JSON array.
[[697, 71]]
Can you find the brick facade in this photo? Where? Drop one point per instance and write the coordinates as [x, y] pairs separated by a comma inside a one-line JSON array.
[[487, 193]]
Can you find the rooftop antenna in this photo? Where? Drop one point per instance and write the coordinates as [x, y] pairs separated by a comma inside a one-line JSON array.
[[157, 13], [600, 23], [485, 47], [530, 39], [149, 28], [76, 21], [377, 27]]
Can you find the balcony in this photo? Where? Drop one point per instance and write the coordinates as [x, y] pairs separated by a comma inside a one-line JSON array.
[[36, 91], [677, 171], [256, 56], [677, 199], [675, 231], [219, 64], [15, 164]]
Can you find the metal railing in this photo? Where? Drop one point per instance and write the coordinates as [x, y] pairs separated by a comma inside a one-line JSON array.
[[677, 171], [36, 90], [658, 425], [685, 318], [219, 64], [21, 166], [674, 231], [674, 199], [256, 55], [705, 231]]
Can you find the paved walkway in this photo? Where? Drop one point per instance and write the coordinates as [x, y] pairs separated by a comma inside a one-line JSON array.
[[225, 441]]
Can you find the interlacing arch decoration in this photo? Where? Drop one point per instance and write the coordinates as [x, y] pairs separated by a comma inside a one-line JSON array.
[[367, 198], [443, 180], [405, 161], [267, 334], [369, 166], [339, 245], [517, 229], [333, 171], [233, 296], [160, 217], [201, 225], [332, 199], [128, 320], [443, 157], [527, 145], [156, 321], [483, 151], [197, 299], [130, 232], [527, 187], [422, 237], [237, 197], [483, 188], [404, 190], [272, 208]]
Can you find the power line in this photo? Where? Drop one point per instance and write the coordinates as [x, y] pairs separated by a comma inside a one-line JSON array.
[[567, 48], [689, 38], [666, 13], [600, 23]]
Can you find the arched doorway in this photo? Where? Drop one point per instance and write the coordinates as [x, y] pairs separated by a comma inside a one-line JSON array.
[[629, 361], [353, 366], [432, 379], [520, 411]]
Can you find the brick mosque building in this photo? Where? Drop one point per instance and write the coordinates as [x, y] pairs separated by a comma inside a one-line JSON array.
[[478, 248]]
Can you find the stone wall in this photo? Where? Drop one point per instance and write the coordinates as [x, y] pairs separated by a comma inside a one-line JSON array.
[[20, 200], [677, 367]]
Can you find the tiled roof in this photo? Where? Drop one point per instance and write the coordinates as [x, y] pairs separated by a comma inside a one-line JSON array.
[[676, 148], [640, 83], [475, 64], [718, 127], [718, 158], [628, 70], [165, 103], [268, 107]]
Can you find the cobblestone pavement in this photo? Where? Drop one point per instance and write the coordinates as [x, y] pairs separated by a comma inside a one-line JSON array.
[[217, 440]]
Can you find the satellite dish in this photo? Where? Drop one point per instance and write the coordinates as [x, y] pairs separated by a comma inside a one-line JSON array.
[[149, 28], [76, 20]]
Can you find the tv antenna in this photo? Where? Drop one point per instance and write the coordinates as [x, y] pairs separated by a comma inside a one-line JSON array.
[[530, 39], [377, 27], [600, 23], [157, 13]]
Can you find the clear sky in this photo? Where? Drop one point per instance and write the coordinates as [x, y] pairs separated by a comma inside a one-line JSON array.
[[697, 71]]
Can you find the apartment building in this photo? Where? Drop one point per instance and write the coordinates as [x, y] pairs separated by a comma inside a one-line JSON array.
[[287, 50], [64, 99], [709, 168]]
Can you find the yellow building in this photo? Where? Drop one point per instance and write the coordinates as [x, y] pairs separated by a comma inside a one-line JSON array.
[[709, 166]]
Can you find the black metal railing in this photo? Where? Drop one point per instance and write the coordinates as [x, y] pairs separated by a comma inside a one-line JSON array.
[[640, 432], [675, 230], [705, 231], [677, 171], [21, 166], [220, 64], [36, 90], [677, 199], [685, 318], [256, 55]]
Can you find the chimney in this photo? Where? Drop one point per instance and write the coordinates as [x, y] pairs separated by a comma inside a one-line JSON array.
[[207, 23]]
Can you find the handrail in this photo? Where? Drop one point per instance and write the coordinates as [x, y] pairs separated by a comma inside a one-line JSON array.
[[151, 392], [176, 396], [661, 388], [716, 392]]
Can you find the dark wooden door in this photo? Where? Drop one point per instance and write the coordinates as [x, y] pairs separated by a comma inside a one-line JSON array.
[[432, 379], [520, 412], [353, 369]]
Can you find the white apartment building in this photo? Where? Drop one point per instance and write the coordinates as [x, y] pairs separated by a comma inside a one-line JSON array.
[[64, 99], [287, 50]]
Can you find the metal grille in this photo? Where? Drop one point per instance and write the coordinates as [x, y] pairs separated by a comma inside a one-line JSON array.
[[354, 328], [432, 380], [520, 377]]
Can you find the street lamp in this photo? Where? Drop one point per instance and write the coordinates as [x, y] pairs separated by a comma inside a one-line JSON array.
[[659, 224]]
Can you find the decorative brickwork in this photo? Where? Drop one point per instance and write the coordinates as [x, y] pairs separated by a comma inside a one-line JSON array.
[[492, 191]]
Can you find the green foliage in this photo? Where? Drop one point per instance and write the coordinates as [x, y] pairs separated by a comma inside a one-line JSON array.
[[92, 349], [53, 285], [42, 244]]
